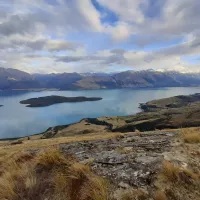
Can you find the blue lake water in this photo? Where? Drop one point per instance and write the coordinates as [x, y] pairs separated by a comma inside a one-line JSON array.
[[16, 120]]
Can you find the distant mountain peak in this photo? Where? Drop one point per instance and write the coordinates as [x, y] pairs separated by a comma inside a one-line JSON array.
[[16, 79]]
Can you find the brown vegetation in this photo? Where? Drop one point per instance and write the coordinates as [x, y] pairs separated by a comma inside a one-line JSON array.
[[132, 194], [37, 170], [191, 135], [170, 171], [51, 175], [160, 195], [177, 182], [175, 173]]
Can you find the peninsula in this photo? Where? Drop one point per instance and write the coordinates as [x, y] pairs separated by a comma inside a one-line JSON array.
[[168, 113], [50, 100]]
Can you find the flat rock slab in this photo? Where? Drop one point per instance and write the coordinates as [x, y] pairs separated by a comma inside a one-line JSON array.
[[131, 160]]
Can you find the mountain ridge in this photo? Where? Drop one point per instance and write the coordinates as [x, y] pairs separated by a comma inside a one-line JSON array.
[[15, 79]]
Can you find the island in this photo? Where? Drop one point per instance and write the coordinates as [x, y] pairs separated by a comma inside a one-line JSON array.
[[50, 100], [1, 105]]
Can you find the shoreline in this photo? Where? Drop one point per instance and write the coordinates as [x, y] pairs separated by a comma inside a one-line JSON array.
[[34, 89], [152, 115], [167, 113], [84, 89]]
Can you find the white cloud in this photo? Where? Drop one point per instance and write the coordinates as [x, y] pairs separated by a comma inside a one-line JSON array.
[[120, 32], [34, 34]]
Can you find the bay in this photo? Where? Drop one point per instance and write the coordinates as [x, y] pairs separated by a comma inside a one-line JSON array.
[[16, 120]]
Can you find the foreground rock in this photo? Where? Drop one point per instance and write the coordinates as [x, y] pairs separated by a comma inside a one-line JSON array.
[[127, 160], [140, 166], [50, 100]]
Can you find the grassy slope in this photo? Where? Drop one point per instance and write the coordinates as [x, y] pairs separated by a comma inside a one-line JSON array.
[[36, 168]]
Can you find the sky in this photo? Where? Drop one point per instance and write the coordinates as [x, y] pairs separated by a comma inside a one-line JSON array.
[[56, 36]]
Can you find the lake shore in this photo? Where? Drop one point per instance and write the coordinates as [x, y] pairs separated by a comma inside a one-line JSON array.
[[169, 113], [19, 121]]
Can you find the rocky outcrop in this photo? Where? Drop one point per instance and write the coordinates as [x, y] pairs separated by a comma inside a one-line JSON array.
[[127, 160]]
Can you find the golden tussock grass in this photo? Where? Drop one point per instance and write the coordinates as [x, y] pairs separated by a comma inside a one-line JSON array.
[[191, 174], [170, 171], [176, 174], [160, 195], [127, 195], [93, 191], [133, 194], [50, 175], [191, 135], [50, 158], [8, 150]]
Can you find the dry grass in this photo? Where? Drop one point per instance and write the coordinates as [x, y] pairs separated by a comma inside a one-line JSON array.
[[50, 158], [191, 135], [133, 194], [18, 182], [191, 174], [170, 171], [127, 195], [51, 175], [176, 182], [9, 152], [176, 174], [5, 148], [160, 195], [97, 189]]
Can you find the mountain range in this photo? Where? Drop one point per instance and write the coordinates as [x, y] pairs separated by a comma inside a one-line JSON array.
[[16, 79]]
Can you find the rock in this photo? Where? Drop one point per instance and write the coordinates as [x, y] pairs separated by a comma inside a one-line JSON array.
[[124, 185], [128, 149], [135, 164], [16, 142]]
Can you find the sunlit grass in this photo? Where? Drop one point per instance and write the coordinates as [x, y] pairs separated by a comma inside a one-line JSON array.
[[51, 175], [191, 135]]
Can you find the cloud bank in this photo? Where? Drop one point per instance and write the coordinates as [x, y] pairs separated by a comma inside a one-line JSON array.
[[48, 36]]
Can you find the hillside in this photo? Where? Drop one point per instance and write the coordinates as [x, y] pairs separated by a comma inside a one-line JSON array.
[[110, 158], [128, 79], [158, 165], [170, 113], [15, 79]]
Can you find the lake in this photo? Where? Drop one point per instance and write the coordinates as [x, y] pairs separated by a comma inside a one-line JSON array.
[[16, 120]]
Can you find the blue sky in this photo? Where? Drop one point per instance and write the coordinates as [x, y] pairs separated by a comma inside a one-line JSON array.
[[58, 36]]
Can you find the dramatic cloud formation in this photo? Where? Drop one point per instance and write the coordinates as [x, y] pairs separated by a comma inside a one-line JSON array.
[[99, 35]]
